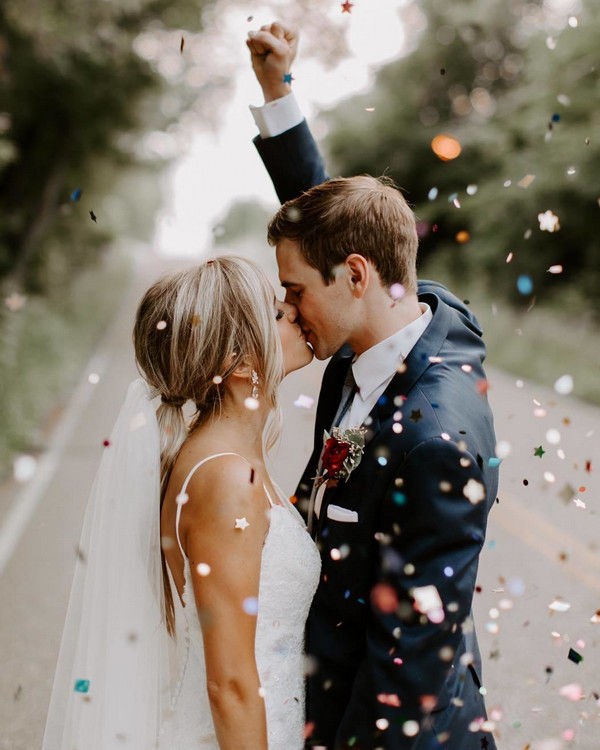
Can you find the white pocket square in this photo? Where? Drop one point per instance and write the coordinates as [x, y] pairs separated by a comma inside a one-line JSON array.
[[342, 514]]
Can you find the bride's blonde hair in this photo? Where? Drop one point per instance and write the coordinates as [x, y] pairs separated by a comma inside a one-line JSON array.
[[192, 330]]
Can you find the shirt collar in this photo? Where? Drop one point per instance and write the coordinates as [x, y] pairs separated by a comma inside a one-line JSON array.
[[378, 364]]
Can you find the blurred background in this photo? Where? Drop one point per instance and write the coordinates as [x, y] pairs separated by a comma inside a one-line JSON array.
[[125, 150]]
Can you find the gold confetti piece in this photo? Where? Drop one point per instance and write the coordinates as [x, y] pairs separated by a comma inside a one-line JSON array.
[[526, 181]]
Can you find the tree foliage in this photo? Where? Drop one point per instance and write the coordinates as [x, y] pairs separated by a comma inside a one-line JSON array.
[[71, 82], [516, 84]]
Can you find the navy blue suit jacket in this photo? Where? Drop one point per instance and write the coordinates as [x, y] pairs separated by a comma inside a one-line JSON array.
[[422, 493]]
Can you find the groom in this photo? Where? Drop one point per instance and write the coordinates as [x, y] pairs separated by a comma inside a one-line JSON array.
[[395, 662]]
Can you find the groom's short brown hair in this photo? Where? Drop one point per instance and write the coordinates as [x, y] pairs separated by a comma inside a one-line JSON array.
[[365, 215]]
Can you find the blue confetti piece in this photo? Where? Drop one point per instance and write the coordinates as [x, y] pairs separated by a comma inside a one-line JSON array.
[[82, 686], [494, 462], [556, 117], [361, 601], [76, 195], [399, 498], [347, 594], [382, 401], [524, 284]]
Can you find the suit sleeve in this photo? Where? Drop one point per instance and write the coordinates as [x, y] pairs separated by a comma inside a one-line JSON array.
[[293, 161], [430, 536]]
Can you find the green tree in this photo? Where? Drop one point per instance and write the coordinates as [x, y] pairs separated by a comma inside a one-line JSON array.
[[515, 83]]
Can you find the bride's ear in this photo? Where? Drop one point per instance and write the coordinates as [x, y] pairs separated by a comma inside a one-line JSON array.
[[243, 371]]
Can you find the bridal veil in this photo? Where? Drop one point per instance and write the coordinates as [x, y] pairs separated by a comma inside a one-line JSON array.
[[112, 686]]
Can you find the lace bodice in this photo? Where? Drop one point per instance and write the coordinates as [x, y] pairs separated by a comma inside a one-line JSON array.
[[289, 575]]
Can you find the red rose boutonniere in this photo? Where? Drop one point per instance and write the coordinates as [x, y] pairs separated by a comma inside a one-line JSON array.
[[342, 453]]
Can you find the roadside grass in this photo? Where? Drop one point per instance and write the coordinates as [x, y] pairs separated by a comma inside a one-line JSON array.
[[45, 344]]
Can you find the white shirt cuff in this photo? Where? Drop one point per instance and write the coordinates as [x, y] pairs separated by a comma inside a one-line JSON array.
[[277, 116]]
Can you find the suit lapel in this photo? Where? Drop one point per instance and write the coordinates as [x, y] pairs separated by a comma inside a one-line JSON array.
[[416, 364]]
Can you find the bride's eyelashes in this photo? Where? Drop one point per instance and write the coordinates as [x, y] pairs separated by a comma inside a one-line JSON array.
[[279, 314]]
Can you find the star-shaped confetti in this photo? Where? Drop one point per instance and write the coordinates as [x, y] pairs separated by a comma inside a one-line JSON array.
[[549, 222], [288, 78], [15, 302], [415, 415], [93, 217], [347, 6], [485, 743], [241, 523], [539, 451]]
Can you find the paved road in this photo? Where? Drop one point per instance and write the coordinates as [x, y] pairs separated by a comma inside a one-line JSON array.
[[542, 547]]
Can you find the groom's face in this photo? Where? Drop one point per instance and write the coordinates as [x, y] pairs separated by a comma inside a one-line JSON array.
[[323, 310]]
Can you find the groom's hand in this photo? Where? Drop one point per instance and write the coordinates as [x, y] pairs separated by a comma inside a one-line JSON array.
[[272, 51]]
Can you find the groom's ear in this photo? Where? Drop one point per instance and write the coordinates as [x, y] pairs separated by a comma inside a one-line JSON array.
[[358, 274]]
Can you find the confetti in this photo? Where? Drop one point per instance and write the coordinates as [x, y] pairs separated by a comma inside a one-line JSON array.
[[416, 416], [203, 569], [182, 45], [555, 269], [575, 656], [526, 181], [524, 284], [428, 601], [82, 686], [304, 402], [161, 325], [15, 302], [75, 195], [572, 692], [93, 378], [564, 385], [462, 236], [250, 605], [397, 291], [347, 6], [93, 217], [24, 468], [559, 606], [539, 451], [106, 443], [445, 147], [288, 78], [241, 523], [548, 222], [474, 491], [432, 194]]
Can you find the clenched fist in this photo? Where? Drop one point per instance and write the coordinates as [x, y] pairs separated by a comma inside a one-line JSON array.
[[272, 51]]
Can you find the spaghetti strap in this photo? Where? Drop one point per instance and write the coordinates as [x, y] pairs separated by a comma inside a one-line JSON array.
[[185, 485]]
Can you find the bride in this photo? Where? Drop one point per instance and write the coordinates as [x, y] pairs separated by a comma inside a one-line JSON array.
[[195, 575]]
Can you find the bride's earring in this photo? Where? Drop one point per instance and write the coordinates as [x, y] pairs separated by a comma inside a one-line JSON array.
[[255, 382]]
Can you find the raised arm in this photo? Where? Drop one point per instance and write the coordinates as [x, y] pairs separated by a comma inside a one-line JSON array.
[[225, 590], [290, 154]]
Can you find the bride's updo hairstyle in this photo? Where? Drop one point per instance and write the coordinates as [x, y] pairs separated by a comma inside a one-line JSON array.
[[192, 330]]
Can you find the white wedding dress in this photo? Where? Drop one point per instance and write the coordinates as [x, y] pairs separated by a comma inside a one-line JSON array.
[[289, 575]]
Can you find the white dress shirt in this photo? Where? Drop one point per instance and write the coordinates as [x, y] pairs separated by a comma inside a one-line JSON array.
[[277, 116], [374, 369]]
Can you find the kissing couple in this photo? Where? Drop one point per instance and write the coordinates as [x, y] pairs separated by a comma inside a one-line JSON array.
[[208, 612]]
